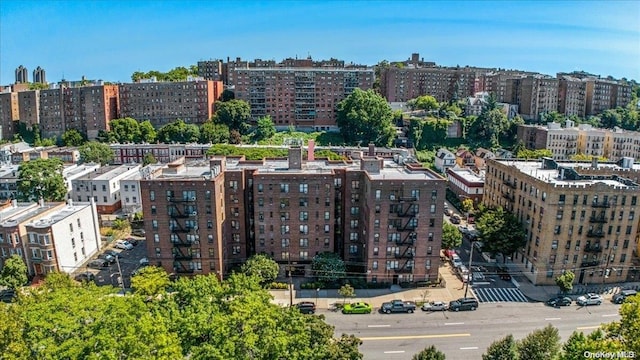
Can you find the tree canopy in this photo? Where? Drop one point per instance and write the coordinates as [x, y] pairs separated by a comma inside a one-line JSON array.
[[451, 236], [236, 114], [41, 179], [265, 128], [179, 73], [565, 281], [262, 266], [503, 349], [500, 232], [179, 132], [96, 152], [72, 137], [541, 344], [14, 272], [429, 353], [213, 133], [365, 117], [328, 266], [201, 318]]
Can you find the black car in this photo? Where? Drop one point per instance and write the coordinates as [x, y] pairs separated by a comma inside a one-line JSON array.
[[559, 301], [115, 254], [620, 297], [503, 273], [463, 304], [98, 263], [306, 307], [133, 241], [85, 277]]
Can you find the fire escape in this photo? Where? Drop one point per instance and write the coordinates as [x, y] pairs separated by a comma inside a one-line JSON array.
[[305, 102], [405, 222], [183, 227]]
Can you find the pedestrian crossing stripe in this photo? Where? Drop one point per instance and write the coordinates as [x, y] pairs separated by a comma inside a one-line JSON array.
[[491, 295]]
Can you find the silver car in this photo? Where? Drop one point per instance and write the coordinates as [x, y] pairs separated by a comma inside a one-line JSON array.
[[589, 299], [435, 306]]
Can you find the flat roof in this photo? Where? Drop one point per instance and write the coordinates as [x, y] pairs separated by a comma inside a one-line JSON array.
[[107, 172], [468, 175], [58, 215]]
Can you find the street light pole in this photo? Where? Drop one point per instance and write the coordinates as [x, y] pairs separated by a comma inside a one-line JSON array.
[[469, 275]]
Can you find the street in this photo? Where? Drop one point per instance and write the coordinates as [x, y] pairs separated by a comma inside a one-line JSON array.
[[463, 335]]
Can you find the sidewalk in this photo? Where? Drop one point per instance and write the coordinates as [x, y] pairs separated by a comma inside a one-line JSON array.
[[326, 297]]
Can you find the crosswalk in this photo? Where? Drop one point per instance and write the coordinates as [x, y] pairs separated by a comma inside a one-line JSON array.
[[491, 295]]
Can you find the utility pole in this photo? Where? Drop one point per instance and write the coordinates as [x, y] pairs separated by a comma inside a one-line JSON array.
[[470, 274], [290, 279], [121, 278]]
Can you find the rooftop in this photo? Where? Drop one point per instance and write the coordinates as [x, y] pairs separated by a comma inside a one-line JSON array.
[[107, 172], [468, 175], [58, 215]]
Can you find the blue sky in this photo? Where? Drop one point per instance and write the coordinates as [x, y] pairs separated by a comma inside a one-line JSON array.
[[110, 40]]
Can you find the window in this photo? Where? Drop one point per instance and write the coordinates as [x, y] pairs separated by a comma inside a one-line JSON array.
[[304, 188], [327, 215], [353, 236], [376, 251], [260, 188], [378, 194], [355, 184], [353, 249], [154, 210], [284, 229], [235, 249], [355, 210], [304, 242], [284, 188], [304, 215], [374, 265], [326, 228], [554, 244], [327, 242], [233, 184], [304, 229], [154, 224], [158, 252], [304, 255], [152, 195], [354, 224]]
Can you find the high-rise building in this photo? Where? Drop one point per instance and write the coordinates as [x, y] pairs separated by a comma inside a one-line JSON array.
[[443, 83], [534, 95], [165, 102], [29, 107], [9, 114], [22, 75], [383, 218], [210, 70], [39, 76], [305, 98], [577, 216]]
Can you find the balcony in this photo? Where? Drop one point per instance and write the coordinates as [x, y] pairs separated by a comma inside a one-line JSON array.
[[407, 254], [597, 219], [602, 204], [595, 233], [408, 212], [183, 270], [404, 270], [181, 243], [509, 197], [410, 239], [590, 264], [175, 199], [408, 198], [593, 248], [180, 256]]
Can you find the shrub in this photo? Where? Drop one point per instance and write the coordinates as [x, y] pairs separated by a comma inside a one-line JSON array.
[[278, 286]]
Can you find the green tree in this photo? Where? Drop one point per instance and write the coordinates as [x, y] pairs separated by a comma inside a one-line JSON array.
[[126, 130], [14, 272], [346, 291], [213, 133], [500, 232], [262, 266], [542, 344], [626, 332], [467, 205], [41, 179], [424, 102], [565, 281], [147, 132], [179, 132], [429, 353], [236, 114], [150, 281], [265, 128], [96, 152], [523, 153], [584, 157], [227, 95], [597, 341], [365, 117], [328, 266], [503, 349], [72, 137], [451, 236], [149, 159]]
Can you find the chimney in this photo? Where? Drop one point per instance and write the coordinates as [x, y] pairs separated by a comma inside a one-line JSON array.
[[311, 156], [372, 149], [70, 202], [594, 162], [295, 158]]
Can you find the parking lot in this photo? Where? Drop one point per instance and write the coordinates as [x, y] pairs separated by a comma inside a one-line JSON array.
[[129, 260]]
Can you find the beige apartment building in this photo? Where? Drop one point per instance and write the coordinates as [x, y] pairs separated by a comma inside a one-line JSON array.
[[305, 98], [572, 96], [535, 95], [589, 94], [566, 142], [443, 83], [165, 102], [577, 216], [382, 217]]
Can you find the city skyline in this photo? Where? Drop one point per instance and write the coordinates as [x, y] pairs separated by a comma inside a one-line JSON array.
[[111, 40]]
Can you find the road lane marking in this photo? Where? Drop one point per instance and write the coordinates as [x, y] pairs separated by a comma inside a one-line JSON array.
[[552, 319], [395, 352], [378, 326], [587, 327], [458, 323], [469, 348], [608, 315], [408, 337]]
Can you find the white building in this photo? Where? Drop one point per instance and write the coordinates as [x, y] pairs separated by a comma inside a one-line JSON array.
[[444, 160], [8, 181], [103, 186], [74, 172], [130, 187]]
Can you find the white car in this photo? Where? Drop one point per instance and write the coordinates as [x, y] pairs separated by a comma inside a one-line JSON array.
[[435, 306], [589, 299], [124, 245]]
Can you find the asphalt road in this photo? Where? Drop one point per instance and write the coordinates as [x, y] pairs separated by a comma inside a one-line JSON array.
[[129, 261], [463, 335]]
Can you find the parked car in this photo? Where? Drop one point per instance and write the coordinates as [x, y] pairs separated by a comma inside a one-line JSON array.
[[357, 308], [398, 306], [589, 299], [559, 301], [620, 297], [115, 254], [98, 263], [455, 219], [133, 241], [109, 258], [138, 232], [456, 261], [85, 276], [124, 245], [144, 261], [306, 307], [435, 306], [463, 304]]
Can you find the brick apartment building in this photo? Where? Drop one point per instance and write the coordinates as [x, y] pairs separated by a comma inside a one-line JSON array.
[[8, 114], [305, 98], [576, 217], [535, 95], [382, 217], [165, 102]]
